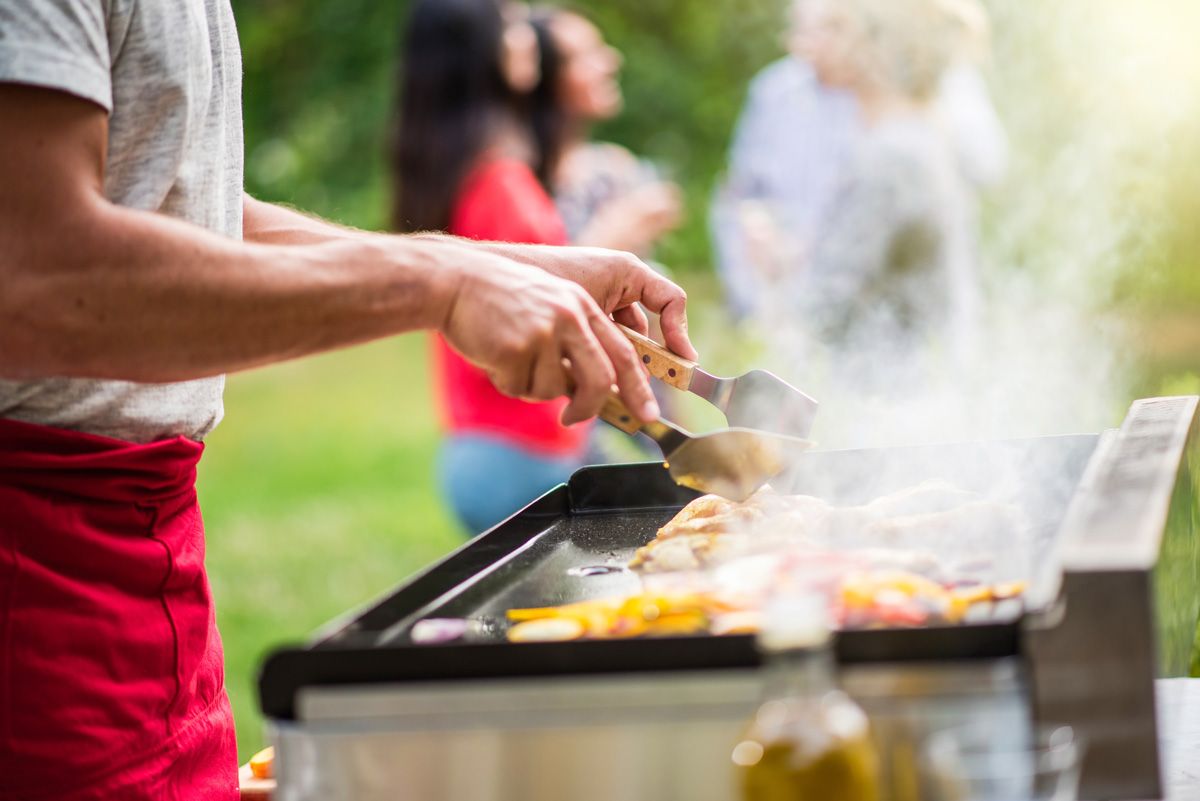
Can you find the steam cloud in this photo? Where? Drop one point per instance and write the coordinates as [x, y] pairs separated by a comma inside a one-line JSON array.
[[1085, 113], [1088, 91]]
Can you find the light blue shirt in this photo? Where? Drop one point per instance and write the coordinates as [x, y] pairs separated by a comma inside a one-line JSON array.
[[790, 151], [793, 151]]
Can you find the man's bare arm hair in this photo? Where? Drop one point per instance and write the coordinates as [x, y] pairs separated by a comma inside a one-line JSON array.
[[92, 289]]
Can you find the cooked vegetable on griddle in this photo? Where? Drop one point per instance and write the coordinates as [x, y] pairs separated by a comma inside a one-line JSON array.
[[896, 561]]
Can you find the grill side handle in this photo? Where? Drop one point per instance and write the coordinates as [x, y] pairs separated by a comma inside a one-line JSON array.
[[1130, 597]]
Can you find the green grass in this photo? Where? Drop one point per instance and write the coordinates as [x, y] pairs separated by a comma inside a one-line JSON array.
[[318, 495]]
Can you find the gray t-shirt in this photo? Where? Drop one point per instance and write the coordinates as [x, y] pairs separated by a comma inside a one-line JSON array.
[[169, 73]]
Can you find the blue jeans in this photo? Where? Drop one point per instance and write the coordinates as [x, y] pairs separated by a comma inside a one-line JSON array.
[[486, 479]]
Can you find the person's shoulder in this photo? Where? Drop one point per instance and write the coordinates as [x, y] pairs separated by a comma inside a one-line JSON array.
[[612, 154], [500, 174], [501, 182], [502, 199], [782, 77], [58, 45], [586, 161]]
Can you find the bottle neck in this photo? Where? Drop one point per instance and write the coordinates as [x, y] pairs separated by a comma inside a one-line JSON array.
[[801, 673]]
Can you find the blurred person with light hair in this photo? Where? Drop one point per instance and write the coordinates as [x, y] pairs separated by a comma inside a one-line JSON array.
[[891, 260], [877, 302], [797, 139]]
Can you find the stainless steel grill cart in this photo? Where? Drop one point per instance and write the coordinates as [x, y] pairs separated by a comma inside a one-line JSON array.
[[362, 712]]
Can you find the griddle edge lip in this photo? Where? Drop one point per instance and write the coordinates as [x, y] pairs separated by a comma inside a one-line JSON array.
[[453, 570]]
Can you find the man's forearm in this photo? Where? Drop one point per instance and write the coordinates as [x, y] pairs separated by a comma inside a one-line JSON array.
[[139, 296], [273, 224], [632, 282]]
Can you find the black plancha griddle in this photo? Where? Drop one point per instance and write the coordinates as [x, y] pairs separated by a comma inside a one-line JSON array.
[[550, 553]]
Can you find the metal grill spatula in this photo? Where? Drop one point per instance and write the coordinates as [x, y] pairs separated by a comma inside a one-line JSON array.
[[732, 463], [759, 400]]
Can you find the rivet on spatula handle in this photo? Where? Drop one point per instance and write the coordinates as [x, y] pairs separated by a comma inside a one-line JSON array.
[[664, 365], [617, 413]]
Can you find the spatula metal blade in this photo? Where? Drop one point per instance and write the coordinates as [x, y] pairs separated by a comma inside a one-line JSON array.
[[732, 463], [764, 401]]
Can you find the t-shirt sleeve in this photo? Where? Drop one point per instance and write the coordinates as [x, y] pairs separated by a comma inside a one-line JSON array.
[[57, 44]]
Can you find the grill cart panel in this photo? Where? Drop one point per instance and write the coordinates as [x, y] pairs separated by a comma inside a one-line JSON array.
[[634, 737]]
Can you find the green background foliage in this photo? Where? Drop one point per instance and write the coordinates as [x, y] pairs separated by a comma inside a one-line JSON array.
[[319, 84], [317, 488]]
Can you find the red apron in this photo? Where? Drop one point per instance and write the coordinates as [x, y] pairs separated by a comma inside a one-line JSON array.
[[111, 677]]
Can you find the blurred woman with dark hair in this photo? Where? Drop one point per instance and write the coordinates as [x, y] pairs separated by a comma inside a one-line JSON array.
[[466, 160], [607, 196]]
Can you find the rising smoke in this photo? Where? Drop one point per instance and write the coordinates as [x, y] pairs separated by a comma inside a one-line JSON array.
[[1089, 91]]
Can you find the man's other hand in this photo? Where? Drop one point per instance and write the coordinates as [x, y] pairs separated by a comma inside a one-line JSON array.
[[618, 282], [541, 336]]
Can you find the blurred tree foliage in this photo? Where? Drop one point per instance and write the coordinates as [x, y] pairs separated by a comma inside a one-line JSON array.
[[1104, 187], [1105, 173], [319, 85]]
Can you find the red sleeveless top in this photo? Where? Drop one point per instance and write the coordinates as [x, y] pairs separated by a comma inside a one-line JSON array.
[[502, 201]]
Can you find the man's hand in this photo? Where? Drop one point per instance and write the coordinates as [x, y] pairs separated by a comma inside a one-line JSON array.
[[541, 337], [616, 283], [616, 280]]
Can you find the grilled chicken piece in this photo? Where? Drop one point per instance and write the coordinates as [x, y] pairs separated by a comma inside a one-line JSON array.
[[712, 530], [931, 517], [705, 506], [675, 553], [711, 514], [927, 497], [734, 520]]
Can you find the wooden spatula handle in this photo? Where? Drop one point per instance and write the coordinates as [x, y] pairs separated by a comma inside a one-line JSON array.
[[614, 410], [662, 363], [616, 413]]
